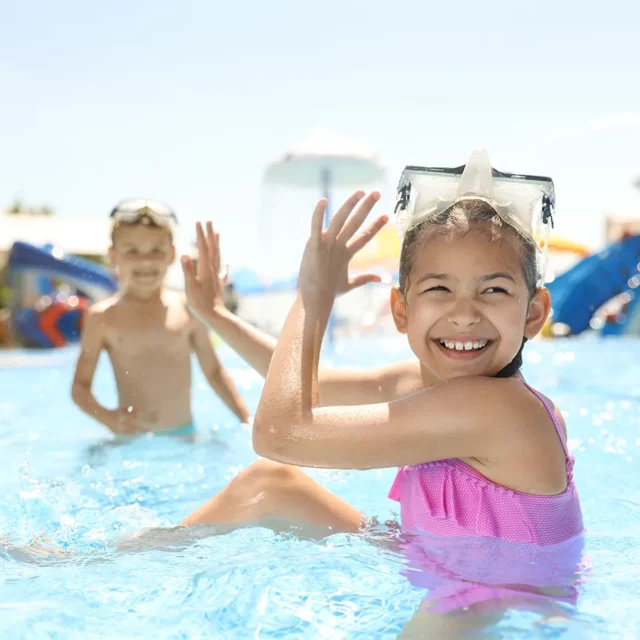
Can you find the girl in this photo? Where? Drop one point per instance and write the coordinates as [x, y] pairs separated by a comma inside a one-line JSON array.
[[480, 452]]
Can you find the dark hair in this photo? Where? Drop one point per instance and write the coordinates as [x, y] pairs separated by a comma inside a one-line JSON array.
[[142, 221], [459, 219]]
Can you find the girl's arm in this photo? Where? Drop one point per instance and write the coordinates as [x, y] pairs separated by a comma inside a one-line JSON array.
[[337, 387], [464, 418]]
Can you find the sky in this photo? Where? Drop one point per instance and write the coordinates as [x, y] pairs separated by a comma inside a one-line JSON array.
[[188, 102]]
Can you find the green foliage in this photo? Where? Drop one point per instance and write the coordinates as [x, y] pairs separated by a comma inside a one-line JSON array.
[[19, 208]]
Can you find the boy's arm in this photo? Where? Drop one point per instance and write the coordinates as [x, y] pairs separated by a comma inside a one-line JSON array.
[[215, 373], [90, 347], [118, 421]]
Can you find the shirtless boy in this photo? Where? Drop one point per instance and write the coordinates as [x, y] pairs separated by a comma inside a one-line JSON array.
[[149, 334]]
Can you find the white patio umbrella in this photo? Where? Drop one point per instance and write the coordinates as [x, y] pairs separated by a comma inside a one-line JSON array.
[[322, 162]]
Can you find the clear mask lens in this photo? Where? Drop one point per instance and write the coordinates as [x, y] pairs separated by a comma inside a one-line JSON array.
[[524, 202]]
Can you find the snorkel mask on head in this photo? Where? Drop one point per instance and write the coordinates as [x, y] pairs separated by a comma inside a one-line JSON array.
[[131, 211], [524, 202]]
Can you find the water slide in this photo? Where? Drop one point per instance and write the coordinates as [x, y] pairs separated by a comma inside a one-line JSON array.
[[40, 317], [582, 290]]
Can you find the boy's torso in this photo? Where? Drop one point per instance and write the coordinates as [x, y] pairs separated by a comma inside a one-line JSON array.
[[149, 345]]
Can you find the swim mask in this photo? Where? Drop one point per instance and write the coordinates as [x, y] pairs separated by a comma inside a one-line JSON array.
[[524, 202], [134, 210]]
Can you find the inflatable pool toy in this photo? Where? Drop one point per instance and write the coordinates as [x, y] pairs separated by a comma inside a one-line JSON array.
[[52, 323], [51, 293]]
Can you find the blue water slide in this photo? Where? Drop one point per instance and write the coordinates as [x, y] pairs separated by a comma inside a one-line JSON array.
[[577, 294], [88, 277]]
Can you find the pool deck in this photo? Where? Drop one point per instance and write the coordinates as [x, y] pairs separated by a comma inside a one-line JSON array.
[[11, 358]]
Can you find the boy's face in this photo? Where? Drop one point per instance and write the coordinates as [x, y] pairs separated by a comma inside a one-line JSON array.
[[141, 256]]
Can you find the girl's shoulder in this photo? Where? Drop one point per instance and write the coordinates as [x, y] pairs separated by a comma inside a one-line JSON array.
[[553, 409], [511, 400], [532, 397]]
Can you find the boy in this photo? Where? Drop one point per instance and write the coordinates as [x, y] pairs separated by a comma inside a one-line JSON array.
[[149, 334]]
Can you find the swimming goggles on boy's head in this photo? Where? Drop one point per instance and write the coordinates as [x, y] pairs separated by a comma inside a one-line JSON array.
[[134, 210], [524, 202]]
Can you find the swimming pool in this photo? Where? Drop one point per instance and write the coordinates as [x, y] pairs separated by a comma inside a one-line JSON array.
[[59, 474]]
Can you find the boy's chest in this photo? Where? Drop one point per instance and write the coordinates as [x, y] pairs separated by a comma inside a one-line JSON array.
[[158, 330]]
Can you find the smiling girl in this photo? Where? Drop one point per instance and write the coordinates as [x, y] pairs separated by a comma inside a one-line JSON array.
[[479, 451]]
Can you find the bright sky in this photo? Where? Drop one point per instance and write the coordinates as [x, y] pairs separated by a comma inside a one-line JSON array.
[[187, 102]]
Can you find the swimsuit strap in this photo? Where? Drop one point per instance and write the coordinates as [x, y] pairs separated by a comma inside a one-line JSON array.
[[552, 414]]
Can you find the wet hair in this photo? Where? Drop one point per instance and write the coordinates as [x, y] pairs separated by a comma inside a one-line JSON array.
[[458, 220], [142, 221]]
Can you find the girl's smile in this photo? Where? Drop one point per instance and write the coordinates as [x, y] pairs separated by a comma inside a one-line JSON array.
[[463, 347]]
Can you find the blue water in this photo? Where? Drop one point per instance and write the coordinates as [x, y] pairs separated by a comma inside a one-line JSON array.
[[62, 476]]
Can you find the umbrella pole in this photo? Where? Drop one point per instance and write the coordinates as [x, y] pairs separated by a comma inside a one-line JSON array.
[[326, 193]]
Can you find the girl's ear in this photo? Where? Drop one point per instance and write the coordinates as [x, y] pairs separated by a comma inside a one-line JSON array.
[[538, 312], [399, 309]]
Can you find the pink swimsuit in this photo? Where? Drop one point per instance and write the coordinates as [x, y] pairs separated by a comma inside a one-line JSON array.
[[451, 498]]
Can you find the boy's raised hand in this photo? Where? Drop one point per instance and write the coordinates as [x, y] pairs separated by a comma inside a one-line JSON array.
[[205, 286]]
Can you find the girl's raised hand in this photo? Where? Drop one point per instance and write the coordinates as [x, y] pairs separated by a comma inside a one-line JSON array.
[[204, 286], [324, 267]]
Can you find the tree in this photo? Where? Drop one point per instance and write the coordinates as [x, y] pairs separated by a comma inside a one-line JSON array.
[[18, 208]]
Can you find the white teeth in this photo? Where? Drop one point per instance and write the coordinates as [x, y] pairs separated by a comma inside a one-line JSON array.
[[463, 346]]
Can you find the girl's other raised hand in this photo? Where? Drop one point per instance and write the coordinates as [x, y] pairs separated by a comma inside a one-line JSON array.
[[204, 285]]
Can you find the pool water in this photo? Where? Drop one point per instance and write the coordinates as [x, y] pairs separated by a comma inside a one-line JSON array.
[[64, 481]]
